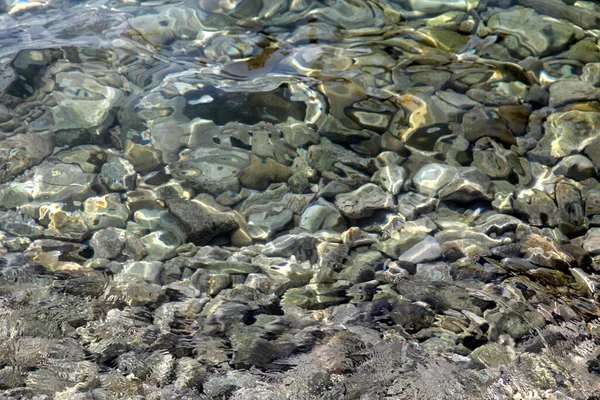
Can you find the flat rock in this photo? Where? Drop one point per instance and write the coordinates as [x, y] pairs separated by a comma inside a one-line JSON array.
[[20, 152], [201, 222], [261, 173], [591, 242], [364, 201], [433, 177], [571, 91], [426, 250]]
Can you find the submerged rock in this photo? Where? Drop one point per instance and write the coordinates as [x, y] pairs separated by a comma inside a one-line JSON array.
[[201, 221], [17, 153], [566, 133], [433, 177], [118, 174], [364, 201], [426, 250], [527, 29]]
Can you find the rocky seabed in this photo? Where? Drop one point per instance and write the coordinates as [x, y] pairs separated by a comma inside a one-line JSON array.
[[391, 199]]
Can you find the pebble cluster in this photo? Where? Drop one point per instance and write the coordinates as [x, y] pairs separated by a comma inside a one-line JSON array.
[[393, 199]]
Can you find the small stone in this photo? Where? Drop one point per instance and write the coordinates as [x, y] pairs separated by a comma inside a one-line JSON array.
[[144, 158], [155, 220], [65, 225], [525, 30], [456, 249], [468, 185], [433, 177], [62, 182], [201, 222], [364, 201], [261, 173], [19, 225], [108, 243], [566, 133], [148, 271], [210, 283], [265, 220], [105, 212], [322, 215], [493, 355], [426, 250], [20, 152], [15, 244], [544, 252], [483, 122], [411, 205], [332, 189], [439, 271], [391, 178], [118, 174], [160, 245], [538, 206], [398, 243], [571, 91], [323, 156], [577, 167], [591, 241]]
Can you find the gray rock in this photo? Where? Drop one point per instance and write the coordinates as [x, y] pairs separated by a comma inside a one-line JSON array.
[[15, 194], [571, 91], [591, 74], [527, 30], [538, 206], [322, 215], [433, 177], [323, 156], [148, 271], [485, 122], [364, 201], [154, 220], [566, 133], [391, 178], [457, 249], [108, 243], [200, 221], [118, 174], [497, 224], [76, 115], [577, 167], [160, 245], [105, 212], [591, 242], [426, 250], [66, 225], [468, 185], [62, 182], [301, 245], [19, 225], [265, 220], [211, 170], [570, 204], [411, 205], [20, 152], [398, 243], [494, 355], [332, 189]]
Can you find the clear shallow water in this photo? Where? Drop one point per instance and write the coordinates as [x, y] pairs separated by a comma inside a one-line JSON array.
[[299, 200]]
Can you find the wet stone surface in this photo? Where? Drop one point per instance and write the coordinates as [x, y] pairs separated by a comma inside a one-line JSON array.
[[270, 199]]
